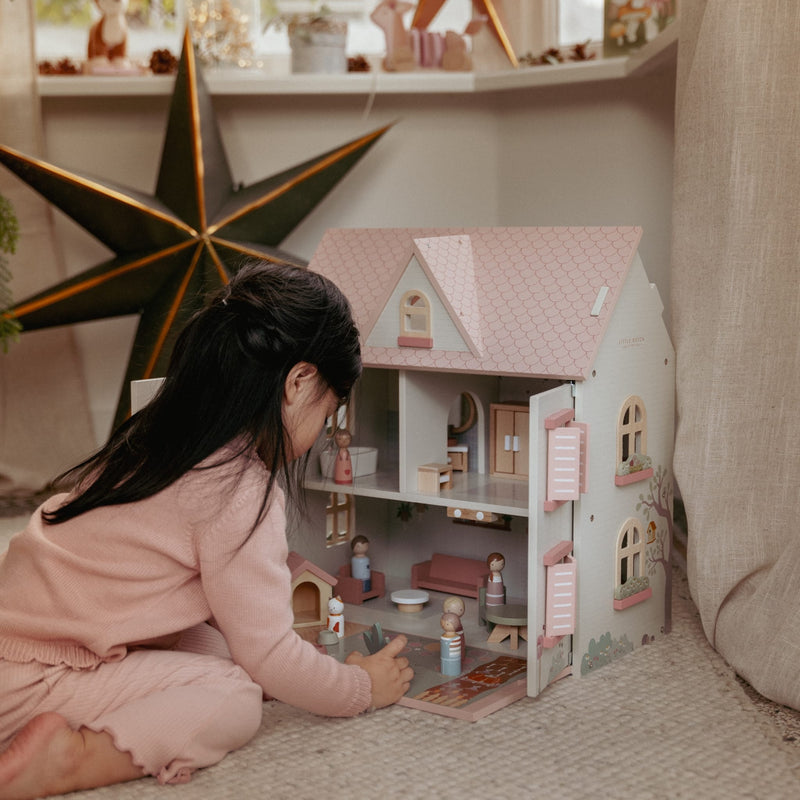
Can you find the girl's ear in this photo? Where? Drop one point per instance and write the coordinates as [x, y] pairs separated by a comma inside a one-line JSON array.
[[302, 379]]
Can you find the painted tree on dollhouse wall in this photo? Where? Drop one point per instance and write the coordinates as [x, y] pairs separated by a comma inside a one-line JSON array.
[[658, 502]]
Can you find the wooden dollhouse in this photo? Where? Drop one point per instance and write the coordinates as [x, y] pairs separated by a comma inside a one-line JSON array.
[[520, 374]]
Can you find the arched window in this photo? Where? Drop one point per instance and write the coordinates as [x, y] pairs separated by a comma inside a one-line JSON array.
[[630, 551], [633, 463], [415, 321], [631, 584], [632, 429]]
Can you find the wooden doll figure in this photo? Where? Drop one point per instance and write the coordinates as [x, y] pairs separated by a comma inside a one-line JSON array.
[[455, 605], [450, 645], [343, 471], [336, 616], [495, 591], [359, 563]]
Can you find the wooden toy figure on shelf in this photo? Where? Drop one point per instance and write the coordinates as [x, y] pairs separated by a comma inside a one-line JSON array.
[[450, 644], [388, 16], [108, 37], [359, 562], [455, 605], [336, 616], [495, 591], [343, 469]]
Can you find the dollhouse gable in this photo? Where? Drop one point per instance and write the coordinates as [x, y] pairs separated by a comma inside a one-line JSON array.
[[505, 301], [427, 308]]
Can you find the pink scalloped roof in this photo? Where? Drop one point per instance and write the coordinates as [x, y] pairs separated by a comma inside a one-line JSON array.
[[521, 297]]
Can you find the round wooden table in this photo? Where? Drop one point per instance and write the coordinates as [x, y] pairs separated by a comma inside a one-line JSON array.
[[509, 620], [410, 600]]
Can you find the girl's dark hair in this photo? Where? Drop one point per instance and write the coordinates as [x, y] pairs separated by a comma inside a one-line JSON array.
[[225, 384]]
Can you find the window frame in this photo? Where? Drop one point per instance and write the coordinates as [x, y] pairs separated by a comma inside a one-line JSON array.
[[337, 533], [634, 430], [415, 336], [631, 550], [631, 442]]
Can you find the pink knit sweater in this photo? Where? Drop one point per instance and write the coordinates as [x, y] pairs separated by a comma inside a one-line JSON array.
[[79, 592]]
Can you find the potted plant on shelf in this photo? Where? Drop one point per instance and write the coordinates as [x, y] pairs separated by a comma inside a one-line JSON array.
[[9, 233], [317, 38]]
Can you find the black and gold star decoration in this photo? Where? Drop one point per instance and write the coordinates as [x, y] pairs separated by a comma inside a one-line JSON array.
[[173, 248]]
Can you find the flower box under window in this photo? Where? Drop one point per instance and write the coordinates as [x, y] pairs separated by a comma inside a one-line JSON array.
[[633, 591]]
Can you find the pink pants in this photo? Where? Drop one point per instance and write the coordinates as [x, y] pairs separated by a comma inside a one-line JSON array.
[[172, 710]]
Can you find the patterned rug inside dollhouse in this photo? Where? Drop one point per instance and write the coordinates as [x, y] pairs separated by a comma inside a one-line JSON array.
[[485, 683]]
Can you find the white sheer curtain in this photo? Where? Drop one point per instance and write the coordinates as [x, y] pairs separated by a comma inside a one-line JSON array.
[[736, 324], [44, 417]]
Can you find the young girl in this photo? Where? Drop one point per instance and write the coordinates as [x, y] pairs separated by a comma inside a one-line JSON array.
[[109, 667]]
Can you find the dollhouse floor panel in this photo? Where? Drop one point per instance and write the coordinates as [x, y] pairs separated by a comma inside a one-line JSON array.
[[487, 683]]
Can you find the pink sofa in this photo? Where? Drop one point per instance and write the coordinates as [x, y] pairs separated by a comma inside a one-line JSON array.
[[451, 574]]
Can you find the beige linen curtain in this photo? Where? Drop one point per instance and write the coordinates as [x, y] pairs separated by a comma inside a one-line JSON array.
[[44, 416], [736, 325]]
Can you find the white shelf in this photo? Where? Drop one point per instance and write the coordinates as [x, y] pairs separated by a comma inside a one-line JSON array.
[[380, 484], [278, 80], [470, 491]]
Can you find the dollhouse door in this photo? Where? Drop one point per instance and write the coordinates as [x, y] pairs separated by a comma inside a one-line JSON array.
[[545, 530]]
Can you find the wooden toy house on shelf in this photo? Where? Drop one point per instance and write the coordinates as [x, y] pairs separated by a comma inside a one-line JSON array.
[[553, 339]]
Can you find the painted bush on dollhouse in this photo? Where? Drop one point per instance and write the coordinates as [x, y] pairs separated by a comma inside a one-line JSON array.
[[604, 651]]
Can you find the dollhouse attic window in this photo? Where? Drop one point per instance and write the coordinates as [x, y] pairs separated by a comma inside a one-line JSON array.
[[415, 320], [633, 463]]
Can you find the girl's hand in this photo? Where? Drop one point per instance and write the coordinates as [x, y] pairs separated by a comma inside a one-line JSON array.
[[388, 671]]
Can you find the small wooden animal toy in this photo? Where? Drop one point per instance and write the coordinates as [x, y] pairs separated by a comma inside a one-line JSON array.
[[388, 16], [336, 616], [108, 37], [455, 57]]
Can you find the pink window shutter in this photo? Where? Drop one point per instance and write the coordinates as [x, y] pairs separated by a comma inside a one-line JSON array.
[[563, 464], [583, 427], [560, 599]]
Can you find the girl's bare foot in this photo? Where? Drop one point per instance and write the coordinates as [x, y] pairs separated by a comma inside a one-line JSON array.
[[47, 757]]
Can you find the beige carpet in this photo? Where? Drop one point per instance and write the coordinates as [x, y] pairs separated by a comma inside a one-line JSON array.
[[670, 720]]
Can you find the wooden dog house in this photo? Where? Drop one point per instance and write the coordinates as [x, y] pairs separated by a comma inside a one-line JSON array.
[[312, 588]]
